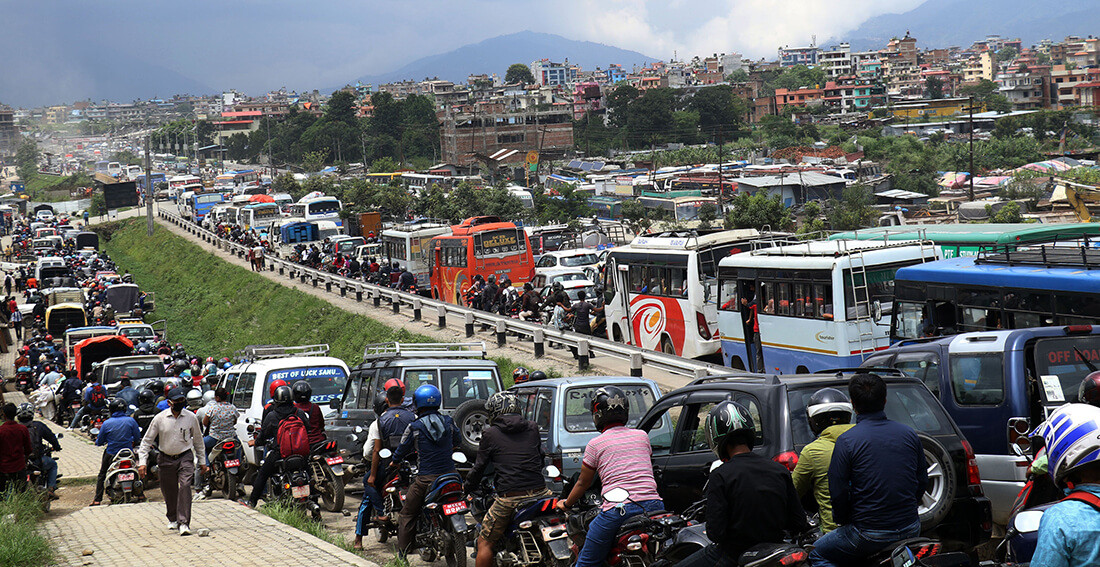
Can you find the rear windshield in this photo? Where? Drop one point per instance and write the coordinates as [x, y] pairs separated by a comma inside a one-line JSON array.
[[137, 332], [578, 416], [581, 260], [911, 404], [133, 371], [327, 381], [1061, 357]]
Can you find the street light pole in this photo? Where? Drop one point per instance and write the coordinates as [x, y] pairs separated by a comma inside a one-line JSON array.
[[970, 193]]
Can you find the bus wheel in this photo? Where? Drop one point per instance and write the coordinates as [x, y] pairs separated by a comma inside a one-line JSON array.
[[667, 347], [801, 370], [616, 334]]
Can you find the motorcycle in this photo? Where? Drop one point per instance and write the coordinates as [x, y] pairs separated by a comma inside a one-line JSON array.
[[92, 420], [393, 497], [291, 479], [326, 474], [640, 540], [537, 535], [441, 528], [122, 483], [226, 472], [23, 381], [36, 479]]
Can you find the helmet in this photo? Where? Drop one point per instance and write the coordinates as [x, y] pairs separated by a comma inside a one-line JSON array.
[[391, 383], [492, 278], [427, 396], [283, 395], [209, 359], [728, 421], [147, 397], [194, 398], [1089, 392], [49, 337], [519, 375], [537, 375], [194, 362], [609, 405], [302, 391], [169, 384], [274, 386], [380, 404], [207, 397], [226, 365], [25, 413], [828, 406], [116, 405], [1070, 438], [156, 387], [501, 403]]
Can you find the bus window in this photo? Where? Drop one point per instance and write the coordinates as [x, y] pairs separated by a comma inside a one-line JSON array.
[[727, 296], [1075, 309], [823, 301], [980, 308], [766, 297], [677, 278], [783, 299]]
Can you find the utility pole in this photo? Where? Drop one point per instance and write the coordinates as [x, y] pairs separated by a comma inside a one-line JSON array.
[[721, 182], [148, 188], [970, 193]]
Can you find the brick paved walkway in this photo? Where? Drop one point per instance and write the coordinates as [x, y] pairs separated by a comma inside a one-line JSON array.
[[137, 534], [79, 457]]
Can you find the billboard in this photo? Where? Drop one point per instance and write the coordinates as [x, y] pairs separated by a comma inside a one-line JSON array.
[[118, 195]]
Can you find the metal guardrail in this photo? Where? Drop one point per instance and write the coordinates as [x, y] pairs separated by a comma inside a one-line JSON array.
[[585, 345]]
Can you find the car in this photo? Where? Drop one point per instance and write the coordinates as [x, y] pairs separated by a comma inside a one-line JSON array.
[[561, 409], [139, 369], [550, 277], [461, 371], [954, 509], [580, 258]]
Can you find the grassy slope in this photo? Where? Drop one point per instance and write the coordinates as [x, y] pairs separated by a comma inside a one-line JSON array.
[[216, 308]]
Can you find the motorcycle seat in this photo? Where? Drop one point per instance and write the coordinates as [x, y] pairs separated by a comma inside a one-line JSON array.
[[886, 552], [294, 462], [436, 489]]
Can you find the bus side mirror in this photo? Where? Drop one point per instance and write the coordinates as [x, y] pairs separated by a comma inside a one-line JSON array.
[[876, 311]]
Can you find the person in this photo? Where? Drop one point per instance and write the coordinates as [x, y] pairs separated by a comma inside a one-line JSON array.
[[50, 377], [406, 281], [384, 433], [830, 414], [42, 439], [529, 303], [282, 408], [489, 294], [622, 457], [877, 477], [127, 393], [258, 258], [559, 299], [178, 436], [303, 399], [433, 437], [1069, 531], [751, 326], [512, 445], [220, 420], [15, 445], [17, 322], [119, 432], [147, 409], [95, 400], [582, 313], [750, 498]]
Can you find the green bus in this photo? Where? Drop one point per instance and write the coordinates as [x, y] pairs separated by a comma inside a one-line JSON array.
[[956, 240]]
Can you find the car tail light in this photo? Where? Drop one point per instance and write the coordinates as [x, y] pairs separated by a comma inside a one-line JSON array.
[[788, 459], [795, 557], [555, 460], [701, 322], [1078, 329], [973, 476]]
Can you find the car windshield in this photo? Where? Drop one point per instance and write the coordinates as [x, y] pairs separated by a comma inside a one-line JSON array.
[[578, 416], [133, 371], [327, 381], [580, 260], [137, 333], [908, 403], [568, 277]]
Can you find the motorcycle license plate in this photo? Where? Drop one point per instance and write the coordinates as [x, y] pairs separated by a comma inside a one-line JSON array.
[[125, 476], [233, 463], [300, 491], [334, 460], [454, 508]]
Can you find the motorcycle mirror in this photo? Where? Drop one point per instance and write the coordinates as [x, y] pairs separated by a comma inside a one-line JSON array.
[[358, 429], [385, 454], [60, 435], [352, 438], [94, 431], [459, 457], [616, 495], [552, 471], [1027, 521], [334, 403], [1017, 449], [715, 465]]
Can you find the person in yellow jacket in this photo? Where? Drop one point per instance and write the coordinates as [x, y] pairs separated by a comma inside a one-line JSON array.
[[830, 414]]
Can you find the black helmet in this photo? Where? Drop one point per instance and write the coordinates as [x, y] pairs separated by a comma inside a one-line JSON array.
[[609, 406], [828, 407], [1089, 392], [146, 397], [116, 405], [302, 391], [729, 421], [155, 386], [537, 375], [380, 404], [25, 413], [501, 403], [283, 396]]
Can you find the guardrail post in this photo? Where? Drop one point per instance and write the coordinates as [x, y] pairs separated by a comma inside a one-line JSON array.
[[314, 281], [343, 291], [636, 364], [442, 317], [395, 299], [469, 324], [302, 276], [280, 269], [701, 373], [417, 304], [273, 265], [377, 295], [359, 294], [501, 328], [582, 355], [328, 287], [540, 343]]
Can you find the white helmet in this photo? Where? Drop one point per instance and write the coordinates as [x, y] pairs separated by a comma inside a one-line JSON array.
[[207, 397], [1071, 436], [194, 398]]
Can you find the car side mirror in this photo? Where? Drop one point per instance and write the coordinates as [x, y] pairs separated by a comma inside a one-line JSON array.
[[335, 403]]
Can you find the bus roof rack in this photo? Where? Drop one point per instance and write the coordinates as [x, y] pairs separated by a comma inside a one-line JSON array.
[[425, 350], [1046, 255], [267, 352]]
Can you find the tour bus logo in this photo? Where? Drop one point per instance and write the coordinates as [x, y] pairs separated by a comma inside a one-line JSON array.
[[822, 337], [499, 241]]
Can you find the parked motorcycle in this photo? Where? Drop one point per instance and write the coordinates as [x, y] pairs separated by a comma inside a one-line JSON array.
[[537, 535], [326, 474], [122, 482], [226, 470]]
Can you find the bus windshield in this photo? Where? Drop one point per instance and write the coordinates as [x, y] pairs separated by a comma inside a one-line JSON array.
[[688, 211], [499, 242], [324, 206], [327, 381]]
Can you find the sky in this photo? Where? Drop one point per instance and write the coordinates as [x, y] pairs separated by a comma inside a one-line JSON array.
[[259, 45]]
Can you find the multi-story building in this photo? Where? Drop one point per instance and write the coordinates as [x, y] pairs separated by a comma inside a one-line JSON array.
[[485, 128], [791, 56], [854, 95], [615, 73], [1025, 89], [1085, 53], [554, 74], [837, 61], [731, 62], [798, 97], [9, 134], [1063, 82]]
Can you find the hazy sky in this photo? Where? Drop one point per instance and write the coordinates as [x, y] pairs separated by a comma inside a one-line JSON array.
[[257, 45]]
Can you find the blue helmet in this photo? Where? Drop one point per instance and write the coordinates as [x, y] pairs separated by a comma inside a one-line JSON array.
[[1070, 438], [427, 397]]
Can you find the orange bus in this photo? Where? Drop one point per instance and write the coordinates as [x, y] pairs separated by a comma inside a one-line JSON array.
[[479, 245]]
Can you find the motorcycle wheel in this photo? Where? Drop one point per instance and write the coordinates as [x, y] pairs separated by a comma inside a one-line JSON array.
[[383, 534], [455, 550], [230, 491], [332, 490]]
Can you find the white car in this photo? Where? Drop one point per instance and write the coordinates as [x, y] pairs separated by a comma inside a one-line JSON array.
[[551, 276], [578, 259], [44, 216]]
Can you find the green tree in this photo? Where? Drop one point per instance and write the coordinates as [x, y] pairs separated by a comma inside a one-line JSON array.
[[314, 160], [650, 116], [1009, 213], [99, 204], [854, 210], [738, 76], [719, 110], [204, 133], [758, 211], [1007, 54], [286, 183], [707, 214], [341, 107], [618, 103], [26, 160], [519, 73], [384, 165], [933, 87], [812, 222]]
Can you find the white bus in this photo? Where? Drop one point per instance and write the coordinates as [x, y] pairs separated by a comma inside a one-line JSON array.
[[181, 183], [258, 215], [321, 208], [819, 304], [406, 243], [115, 169], [660, 289]]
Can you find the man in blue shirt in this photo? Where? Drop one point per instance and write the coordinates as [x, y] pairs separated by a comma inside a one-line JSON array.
[[876, 479], [127, 393], [119, 432]]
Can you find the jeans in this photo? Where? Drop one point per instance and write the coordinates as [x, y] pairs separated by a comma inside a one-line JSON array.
[[605, 526], [849, 545], [750, 351], [370, 506], [101, 478], [709, 556], [49, 466]]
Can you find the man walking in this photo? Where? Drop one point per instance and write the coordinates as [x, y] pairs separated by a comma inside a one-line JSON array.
[[17, 322], [177, 433]]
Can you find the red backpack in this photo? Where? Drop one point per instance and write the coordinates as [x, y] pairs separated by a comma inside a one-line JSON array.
[[293, 437], [99, 395]]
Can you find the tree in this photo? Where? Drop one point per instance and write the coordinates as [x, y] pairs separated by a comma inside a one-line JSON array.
[[286, 183], [1007, 54], [758, 211], [738, 76], [1009, 213], [26, 160], [707, 213], [384, 165], [519, 73], [314, 161], [718, 109], [341, 108], [812, 223], [618, 102], [854, 210], [933, 86]]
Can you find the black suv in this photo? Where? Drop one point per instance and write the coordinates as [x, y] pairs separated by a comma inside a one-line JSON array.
[[953, 509]]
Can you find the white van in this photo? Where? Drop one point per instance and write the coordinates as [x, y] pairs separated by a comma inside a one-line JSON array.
[[248, 382]]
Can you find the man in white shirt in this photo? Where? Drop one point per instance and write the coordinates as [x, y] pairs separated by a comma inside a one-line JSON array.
[[178, 436]]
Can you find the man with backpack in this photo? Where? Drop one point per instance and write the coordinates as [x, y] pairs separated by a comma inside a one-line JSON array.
[[42, 439], [95, 400], [384, 433], [282, 433], [178, 436]]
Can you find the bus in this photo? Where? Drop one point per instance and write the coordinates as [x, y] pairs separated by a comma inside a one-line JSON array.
[[1004, 288], [967, 239], [684, 211], [406, 243], [606, 208], [660, 289], [200, 203], [322, 208], [819, 304], [478, 246], [114, 169], [150, 187], [237, 181], [101, 166], [257, 215], [180, 183]]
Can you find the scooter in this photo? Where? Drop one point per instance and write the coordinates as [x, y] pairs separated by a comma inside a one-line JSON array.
[[122, 482]]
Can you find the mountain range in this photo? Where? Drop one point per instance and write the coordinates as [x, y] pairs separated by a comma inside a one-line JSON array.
[[945, 23]]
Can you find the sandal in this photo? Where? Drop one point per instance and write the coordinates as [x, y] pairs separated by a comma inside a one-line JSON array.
[[96, 503]]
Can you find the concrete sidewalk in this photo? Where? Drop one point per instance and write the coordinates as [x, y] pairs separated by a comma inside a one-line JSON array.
[[136, 534]]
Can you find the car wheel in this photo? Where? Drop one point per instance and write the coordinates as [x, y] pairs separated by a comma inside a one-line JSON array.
[[939, 494], [471, 418]]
